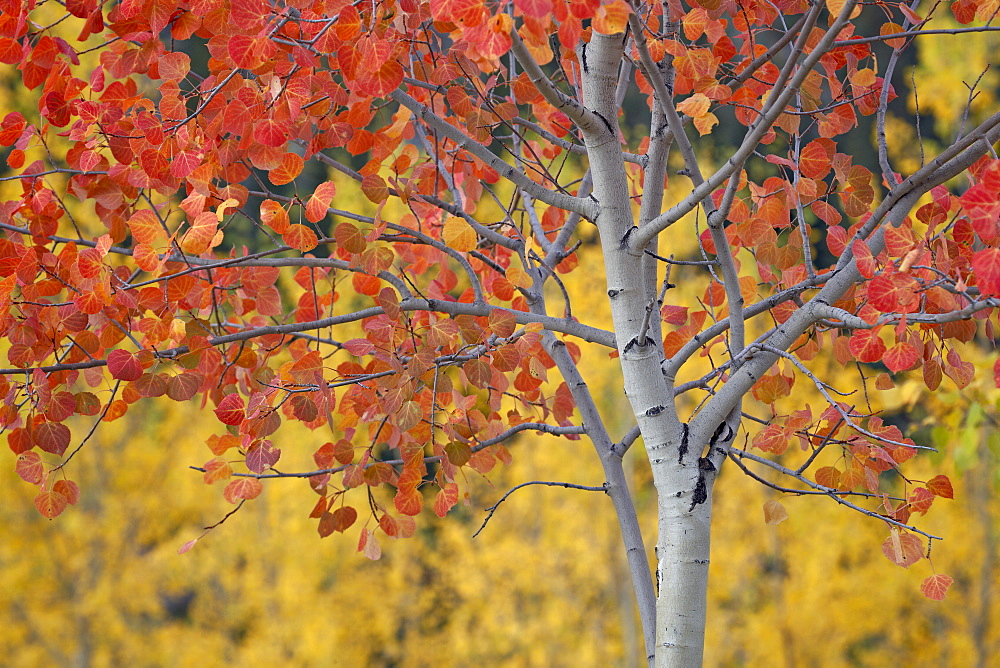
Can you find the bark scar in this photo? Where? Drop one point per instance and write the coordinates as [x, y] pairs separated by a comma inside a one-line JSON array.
[[684, 443], [700, 494], [634, 343]]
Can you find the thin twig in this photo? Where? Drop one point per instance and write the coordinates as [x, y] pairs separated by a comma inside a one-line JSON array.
[[568, 485]]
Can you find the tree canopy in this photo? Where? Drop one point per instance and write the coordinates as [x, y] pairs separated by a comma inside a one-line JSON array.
[[184, 220]]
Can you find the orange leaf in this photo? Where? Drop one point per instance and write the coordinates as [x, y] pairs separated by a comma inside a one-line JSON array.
[[201, 235], [936, 587], [349, 237], [459, 235], [374, 188], [940, 485], [50, 504], [815, 158], [611, 18], [695, 106], [274, 216], [774, 512], [518, 277], [69, 489], [146, 227], [828, 476], [771, 438], [502, 322], [903, 549], [408, 501], [319, 201], [242, 488], [216, 469], [290, 167], [300, 237]]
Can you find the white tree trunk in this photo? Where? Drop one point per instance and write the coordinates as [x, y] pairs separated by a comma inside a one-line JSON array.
[[683, 488]]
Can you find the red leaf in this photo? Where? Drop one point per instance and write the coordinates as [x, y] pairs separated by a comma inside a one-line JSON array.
[[29, 467], [262, 456], [123, 365], [866, 346], [901, 356], [986, 267], [339, 520], [940, 485], [231, 409], [359, 347], [534, 8], [863, 256], [270, 132], [10, 51], [187, 546], [895, 293], [184, 386], [52, 437], [936, 587]]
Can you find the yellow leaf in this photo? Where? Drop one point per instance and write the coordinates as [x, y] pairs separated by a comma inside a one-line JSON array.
[[706, 123], [518, 277], [459, 235], [611, 18], [695, 106], [230, 203], [835, 7], [774, 512], [863, 77]]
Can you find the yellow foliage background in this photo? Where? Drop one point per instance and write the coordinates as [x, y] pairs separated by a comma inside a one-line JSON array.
[[545, 584]]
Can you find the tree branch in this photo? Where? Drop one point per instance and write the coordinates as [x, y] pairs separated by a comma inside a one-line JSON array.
[[580, 205], [835, 494], [568, 485]]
